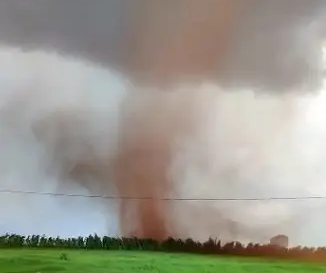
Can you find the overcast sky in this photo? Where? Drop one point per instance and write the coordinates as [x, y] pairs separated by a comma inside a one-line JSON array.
[[274, 43]]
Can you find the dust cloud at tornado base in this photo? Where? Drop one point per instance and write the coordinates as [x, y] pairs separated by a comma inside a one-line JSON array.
[[70, 126]]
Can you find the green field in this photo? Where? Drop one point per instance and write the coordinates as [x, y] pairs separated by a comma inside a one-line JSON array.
[[51, 261]]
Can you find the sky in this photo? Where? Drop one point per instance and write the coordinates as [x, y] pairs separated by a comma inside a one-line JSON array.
[[60, 60]]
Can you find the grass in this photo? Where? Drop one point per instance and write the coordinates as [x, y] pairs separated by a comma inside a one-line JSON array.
[[55, 261]]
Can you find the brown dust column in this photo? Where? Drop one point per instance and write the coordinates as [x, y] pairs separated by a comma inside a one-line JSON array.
[[171, 40]]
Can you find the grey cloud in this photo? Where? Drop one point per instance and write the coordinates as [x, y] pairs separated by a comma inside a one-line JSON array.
[[275, 46]]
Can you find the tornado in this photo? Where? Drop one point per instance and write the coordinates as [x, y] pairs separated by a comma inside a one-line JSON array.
[[209, 102]]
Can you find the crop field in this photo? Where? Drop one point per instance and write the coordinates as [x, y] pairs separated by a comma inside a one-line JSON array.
[[88, 261]]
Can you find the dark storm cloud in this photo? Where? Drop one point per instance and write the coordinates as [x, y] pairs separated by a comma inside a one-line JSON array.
[[274, 43], [94, 29], [278, 44]]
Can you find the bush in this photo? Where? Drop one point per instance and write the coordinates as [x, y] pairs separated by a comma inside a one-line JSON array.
[[63, 256]]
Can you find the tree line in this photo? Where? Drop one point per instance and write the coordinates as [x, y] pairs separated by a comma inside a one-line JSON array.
[[94, 242]]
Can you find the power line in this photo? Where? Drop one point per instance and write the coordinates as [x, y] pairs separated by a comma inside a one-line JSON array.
[[159, 199]]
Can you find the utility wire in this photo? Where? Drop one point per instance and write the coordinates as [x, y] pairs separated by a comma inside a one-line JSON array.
[[156, 198]]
